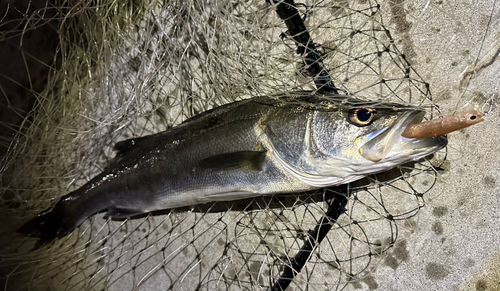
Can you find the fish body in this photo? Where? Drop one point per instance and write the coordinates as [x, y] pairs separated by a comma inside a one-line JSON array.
[[259, 146]]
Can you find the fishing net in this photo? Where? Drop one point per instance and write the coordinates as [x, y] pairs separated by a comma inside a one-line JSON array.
[[127, 69]]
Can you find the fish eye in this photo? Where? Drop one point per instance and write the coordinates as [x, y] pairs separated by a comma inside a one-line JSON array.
[[362, 116], [473, 117]]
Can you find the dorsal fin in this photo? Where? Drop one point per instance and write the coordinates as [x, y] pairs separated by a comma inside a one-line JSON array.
[[124, 145]]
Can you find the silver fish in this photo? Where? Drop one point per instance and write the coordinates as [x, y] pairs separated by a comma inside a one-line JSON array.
[[259, 146]]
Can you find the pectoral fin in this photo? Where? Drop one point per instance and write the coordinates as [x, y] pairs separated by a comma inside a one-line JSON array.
[[245, 160]]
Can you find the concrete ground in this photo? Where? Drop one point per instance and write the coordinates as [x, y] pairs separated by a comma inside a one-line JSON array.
[[456, 246], [451, 242]]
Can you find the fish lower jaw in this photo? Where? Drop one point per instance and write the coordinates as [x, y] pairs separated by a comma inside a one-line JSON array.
[[428, 146], [397, 161]]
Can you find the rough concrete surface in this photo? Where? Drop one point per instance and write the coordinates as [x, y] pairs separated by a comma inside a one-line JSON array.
[[456, 246]]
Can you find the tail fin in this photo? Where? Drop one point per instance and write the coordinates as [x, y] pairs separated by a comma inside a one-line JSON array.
[[48, 225]]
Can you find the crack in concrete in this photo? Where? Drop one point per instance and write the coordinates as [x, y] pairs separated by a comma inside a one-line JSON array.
[[477, 68]]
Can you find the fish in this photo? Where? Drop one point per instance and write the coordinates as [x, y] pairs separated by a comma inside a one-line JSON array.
[[265, 145]]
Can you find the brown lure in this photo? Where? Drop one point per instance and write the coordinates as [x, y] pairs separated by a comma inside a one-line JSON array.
[[442, 126]]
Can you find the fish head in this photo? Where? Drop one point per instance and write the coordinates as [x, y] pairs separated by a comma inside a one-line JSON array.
[[349, 139], [380, 139]]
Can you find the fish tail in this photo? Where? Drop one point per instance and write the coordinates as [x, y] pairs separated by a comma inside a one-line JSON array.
[[49, 224]]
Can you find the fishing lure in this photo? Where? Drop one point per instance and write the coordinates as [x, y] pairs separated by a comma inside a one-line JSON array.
[[442, 126]]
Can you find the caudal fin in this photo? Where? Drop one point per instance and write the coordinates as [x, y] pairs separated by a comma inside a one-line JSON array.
[[48, 225]]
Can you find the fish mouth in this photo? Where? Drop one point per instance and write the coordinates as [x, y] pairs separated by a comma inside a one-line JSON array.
[[389, 144]]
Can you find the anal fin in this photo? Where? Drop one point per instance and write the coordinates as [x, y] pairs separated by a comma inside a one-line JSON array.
[[227, 196], [120, 213]]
